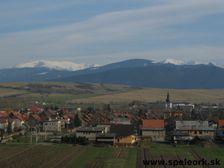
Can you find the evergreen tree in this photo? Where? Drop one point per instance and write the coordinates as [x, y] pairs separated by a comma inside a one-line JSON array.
[[77, 121]]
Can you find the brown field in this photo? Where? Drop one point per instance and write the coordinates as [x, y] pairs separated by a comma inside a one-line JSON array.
[[70, 156], [153, 95], [63, 93], [10, 92], [67, 156]]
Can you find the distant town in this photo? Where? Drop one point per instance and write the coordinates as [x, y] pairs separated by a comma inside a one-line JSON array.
[[164, 122]]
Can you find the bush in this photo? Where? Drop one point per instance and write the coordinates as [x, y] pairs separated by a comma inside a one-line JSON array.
[[82, 141]]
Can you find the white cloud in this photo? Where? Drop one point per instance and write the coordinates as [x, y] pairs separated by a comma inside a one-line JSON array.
[[105, 30]]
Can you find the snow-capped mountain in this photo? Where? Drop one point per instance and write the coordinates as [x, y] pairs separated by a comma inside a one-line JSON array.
[[172, 61], [56, 65], [180, 62], [136, 72]]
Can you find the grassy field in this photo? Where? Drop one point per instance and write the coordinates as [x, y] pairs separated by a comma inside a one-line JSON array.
[[4, 92], [16, 95], [69, 156], [153, 95]]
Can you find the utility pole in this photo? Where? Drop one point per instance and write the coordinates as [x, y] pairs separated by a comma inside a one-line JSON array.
[[31, 135], [36, 135]]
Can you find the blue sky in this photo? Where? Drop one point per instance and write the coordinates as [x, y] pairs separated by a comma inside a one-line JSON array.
[[103, 31]]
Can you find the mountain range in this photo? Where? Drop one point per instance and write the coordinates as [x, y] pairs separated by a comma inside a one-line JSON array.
[[136, 72]]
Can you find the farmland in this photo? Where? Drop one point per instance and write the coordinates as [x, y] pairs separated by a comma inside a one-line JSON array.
[[19, 95], [66, 156], [52, 155], [153, 95], [180, 152]]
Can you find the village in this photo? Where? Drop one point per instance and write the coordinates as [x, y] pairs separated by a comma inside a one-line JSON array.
[[170, 122]]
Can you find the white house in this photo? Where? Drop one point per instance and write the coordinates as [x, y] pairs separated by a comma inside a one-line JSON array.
[[90, 132], [52, 126], [201, 129]]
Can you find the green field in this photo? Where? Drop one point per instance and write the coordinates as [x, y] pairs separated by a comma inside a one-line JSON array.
[[190, 152], [22, 156], [69, 156]]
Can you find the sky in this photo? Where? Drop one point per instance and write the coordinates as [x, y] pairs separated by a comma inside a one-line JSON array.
[[106, 31]]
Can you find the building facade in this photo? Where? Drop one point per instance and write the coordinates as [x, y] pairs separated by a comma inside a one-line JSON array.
[[52, 126], [153, 130]]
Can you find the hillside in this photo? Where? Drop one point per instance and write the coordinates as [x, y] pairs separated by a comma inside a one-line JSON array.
[[157, 75], [19, 95], [25, 94], [135, 73]]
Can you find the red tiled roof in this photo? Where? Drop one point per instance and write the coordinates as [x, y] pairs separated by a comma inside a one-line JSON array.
[[35, 109], [3, 121], [3, 114], [65, 117], [153, 124], [36, 117], [17, 115], [25, 117], [221, 123]]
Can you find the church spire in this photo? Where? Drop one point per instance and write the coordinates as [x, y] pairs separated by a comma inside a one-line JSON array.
[[168, 103], [168, 97]]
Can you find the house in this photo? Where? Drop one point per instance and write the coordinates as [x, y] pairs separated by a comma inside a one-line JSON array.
[[124, 134], [186, 107], [181, 136], [153, 130], [192, 129], [221, 124], [4, 124], [122, 118], [173, 114], [18, 120], [52, 126], [3, 114], [123, 121], [107, 138], [220, 130], [105, 127], [34, 109], [90, 133], [33, 121], [93, 118], [3, 121]]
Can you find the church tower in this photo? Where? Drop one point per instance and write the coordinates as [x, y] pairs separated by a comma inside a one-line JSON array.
[[168, 97], [168, 103]]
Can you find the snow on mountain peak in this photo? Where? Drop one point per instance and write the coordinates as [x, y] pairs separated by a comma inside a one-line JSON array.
[[180, 62], [172, 61], [57, 65]]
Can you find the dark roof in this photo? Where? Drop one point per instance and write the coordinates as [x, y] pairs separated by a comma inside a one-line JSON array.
[[108, 135], [122, 130], [153, 129], [90, 129]]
